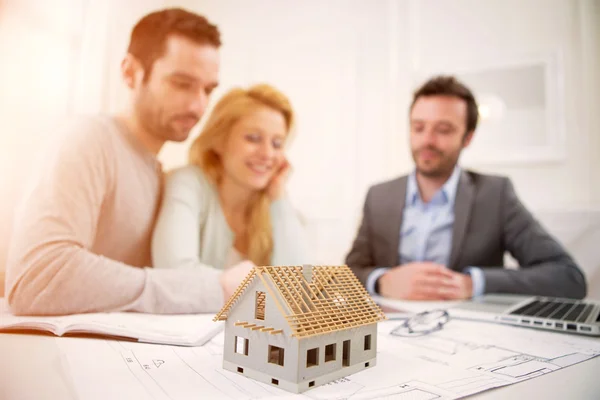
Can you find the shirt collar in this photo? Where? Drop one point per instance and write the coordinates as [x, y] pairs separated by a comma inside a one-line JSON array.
[[446, 194]]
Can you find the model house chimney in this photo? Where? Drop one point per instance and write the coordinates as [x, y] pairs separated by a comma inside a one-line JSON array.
[[307, 271]]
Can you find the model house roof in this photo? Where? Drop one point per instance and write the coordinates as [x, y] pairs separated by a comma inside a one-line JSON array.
[[317, 300]]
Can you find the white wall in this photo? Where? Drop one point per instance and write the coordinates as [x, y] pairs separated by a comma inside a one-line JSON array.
[[349, 67], [494, 33], [37, 45], [331, 58], [589, 13]]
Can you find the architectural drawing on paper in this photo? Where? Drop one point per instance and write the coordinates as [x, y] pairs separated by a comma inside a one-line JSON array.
[[300, 327]]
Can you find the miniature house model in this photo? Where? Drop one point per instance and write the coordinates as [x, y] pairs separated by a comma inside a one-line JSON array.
[[300, 327]]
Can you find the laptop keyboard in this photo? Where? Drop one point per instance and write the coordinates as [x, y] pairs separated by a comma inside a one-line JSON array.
[[586, 312], [556, 309]]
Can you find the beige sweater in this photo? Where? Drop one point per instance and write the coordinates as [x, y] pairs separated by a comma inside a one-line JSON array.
[[81, 239]]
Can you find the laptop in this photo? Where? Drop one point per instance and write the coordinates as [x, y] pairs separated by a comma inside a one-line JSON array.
[[551, 313]]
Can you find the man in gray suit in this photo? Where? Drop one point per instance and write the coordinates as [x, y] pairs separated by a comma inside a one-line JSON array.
[[441, 232]]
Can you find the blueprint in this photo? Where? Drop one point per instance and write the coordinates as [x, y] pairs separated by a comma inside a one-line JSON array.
[[461, 359]]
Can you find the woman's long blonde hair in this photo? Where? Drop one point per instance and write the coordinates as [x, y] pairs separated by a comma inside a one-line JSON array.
[[234, 105]]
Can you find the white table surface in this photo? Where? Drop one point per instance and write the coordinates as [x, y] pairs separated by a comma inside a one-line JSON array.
[[31, 368]]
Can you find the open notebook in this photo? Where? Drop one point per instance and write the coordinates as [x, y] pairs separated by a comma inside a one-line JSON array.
[[182, 330]]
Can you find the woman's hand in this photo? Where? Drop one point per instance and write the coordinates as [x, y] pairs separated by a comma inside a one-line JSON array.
[[276, 187]]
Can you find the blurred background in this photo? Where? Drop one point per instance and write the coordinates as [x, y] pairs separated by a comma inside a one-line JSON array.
[[349, 67]]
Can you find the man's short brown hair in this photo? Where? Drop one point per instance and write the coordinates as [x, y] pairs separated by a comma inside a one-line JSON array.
[[150, 34], [450, 86]]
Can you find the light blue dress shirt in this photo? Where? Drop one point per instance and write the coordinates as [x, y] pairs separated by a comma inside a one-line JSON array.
[[426, 231]]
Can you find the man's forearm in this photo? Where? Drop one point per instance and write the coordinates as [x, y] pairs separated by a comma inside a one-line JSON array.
[[548, 279]]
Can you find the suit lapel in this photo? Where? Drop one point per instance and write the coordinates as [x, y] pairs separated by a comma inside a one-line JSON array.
[[395, 208], [463, 204]]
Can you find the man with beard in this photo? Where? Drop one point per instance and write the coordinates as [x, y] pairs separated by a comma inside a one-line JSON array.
[[441, 232], [81, 241]]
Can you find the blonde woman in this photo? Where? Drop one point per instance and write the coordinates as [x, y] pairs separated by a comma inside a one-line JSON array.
[[226, 211]]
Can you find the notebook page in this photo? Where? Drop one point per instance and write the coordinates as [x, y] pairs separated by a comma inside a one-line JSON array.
[[8, 321], [189, 330], [185, 330]]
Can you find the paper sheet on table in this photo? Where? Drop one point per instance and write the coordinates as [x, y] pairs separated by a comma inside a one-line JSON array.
[[462, 359]]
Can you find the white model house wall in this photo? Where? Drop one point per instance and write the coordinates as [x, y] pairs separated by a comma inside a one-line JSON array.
[[258, 341], [361, 354]]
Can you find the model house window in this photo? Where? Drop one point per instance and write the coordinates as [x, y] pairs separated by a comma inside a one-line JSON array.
[[330, 352], [259, 312], [368, 342], [241, 345], [276, 355], [346, 354], [312, 357]]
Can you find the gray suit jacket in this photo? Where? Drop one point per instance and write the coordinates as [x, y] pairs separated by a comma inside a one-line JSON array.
[[489, 220]]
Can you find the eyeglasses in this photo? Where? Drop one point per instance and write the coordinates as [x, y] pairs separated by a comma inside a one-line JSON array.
[[422, 323]]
